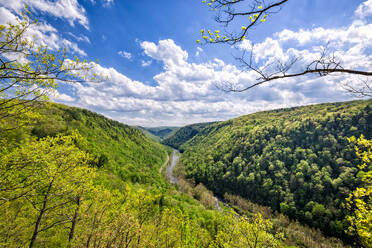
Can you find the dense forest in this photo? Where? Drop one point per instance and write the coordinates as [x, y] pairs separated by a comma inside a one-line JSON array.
[[297, 161], [74, 178], [69, 177], [161, 132], [181, 135]]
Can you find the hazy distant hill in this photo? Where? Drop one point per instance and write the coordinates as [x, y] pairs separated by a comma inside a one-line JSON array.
[[161, 132], [183, 134]]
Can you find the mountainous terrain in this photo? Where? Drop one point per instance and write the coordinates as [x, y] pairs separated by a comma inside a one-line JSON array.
[[98, 185], [297, 161], [118, 147], [298, 177], [161, 132], [181, 135], [101, 185]]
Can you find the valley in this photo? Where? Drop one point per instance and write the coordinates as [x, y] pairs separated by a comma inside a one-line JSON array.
[[128, 171], [219, 156], [185, 124]]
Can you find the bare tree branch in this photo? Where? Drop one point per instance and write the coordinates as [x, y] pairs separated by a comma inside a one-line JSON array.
[[257, 11]]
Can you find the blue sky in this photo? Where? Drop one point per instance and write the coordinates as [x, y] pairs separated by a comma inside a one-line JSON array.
[[158, 75]]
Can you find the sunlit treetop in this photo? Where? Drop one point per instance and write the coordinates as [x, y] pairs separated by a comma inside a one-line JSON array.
[[30, 71]]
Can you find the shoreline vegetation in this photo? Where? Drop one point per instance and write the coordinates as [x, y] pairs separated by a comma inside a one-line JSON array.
[[296, 177], [122, 195], [295, 233]]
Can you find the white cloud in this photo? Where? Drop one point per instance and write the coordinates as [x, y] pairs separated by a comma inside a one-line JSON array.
[[187, 93], [268, 48], [125, 54], [351, 45], [6, 16], [167, 51], [43, 34], [146, 63], [198, 51], [61, 97], [79, 38], [364, 10], [69, 10], [108, 3]]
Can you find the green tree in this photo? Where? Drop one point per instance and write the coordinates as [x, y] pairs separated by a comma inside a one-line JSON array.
[[360, 200], [29, 72], [242, 232], [42, 185]]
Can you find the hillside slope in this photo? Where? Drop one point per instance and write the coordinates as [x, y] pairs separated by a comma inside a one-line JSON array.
[[75, 178], [183, 134], [297, 161], [119, 148], [107, 186], [161, 132]]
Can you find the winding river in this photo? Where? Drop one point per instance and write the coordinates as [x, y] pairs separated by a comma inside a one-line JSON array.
[[174, 180], [173, 163]]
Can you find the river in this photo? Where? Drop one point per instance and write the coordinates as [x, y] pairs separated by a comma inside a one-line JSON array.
[[173, 163], [174, 180]]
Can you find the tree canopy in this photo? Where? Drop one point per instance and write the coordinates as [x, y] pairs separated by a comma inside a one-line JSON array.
[[30, 72]]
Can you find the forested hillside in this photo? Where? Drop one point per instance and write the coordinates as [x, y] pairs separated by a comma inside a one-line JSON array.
[[74, 178], [117, 147], [287, 178], [183, 134], [161, 132], [297, 161]]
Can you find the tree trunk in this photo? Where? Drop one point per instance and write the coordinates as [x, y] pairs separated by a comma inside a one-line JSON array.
[[41, 213], [74, 220]]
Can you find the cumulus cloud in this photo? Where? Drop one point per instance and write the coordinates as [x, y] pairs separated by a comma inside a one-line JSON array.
[[125, 54], [364, 10], [186, 92], [69, 10], [61, 97], [166, 51], [43, 33], [146, 63], [351, 45]]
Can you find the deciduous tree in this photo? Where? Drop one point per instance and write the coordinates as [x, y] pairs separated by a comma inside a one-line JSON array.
[[360, 200], [29, 72]]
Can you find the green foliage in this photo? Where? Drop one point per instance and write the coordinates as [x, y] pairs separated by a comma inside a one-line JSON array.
[[246, 233], [297, 161], [99, 188], [29, 72], [360, 200], [161, 132], [73, 178], [40, 183], [117, 148], [183, 134]]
